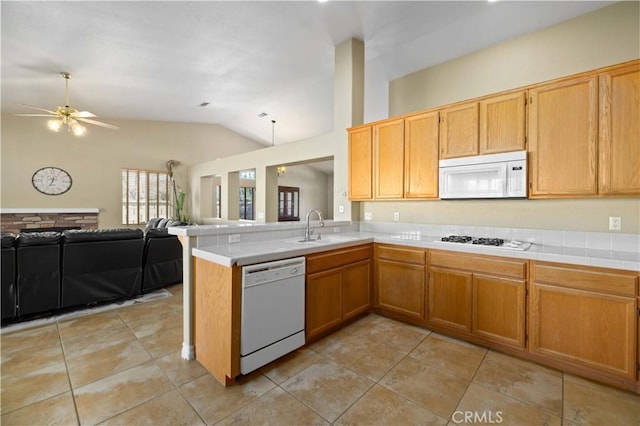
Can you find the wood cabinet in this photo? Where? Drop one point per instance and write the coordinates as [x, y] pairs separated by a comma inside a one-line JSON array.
[[338, 288], [479, 295], [459, 131], [217, 302], [503, 123], [388, 148], [421, 155], [563, 134], [360, 164], [449, 295], [584, 319], [400, 281], [619, 136]]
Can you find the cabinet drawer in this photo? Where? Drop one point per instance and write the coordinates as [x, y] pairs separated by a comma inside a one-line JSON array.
[[513, 268], [337, 258], [400, 254], [586, 278]]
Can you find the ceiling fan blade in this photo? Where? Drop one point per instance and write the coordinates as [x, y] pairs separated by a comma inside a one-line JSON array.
[[35, 115], [98, 123], [38, 108], [83, 114]]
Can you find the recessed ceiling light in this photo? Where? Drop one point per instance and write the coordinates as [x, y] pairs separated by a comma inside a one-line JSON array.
[[262, 115], [204, 104]]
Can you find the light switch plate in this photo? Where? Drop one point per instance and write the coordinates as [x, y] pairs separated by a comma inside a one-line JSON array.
[[234, 238], [341, 209], [368, 216]]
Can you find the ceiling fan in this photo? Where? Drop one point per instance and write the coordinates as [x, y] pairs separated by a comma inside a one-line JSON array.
[[67, 115]]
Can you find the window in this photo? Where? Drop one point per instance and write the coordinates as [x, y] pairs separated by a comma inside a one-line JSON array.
[[288, 203], [246, 202], [145, 195], [218, 201]]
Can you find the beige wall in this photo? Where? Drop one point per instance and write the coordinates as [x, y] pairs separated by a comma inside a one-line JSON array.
[[604, 37], [95, 160], [314, 189]]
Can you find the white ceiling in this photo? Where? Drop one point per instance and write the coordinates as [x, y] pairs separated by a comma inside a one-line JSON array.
[[160, 60]]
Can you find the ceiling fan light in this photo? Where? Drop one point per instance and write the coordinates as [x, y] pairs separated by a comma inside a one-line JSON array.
[[54, 125], [78, 129]]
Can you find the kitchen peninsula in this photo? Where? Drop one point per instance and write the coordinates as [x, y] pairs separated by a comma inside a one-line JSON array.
[[564, 286]]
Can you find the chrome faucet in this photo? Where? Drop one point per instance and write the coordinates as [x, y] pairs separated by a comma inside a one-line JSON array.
[[308, 232]]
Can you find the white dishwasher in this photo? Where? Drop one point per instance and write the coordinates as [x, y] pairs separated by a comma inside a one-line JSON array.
[[273, 298]]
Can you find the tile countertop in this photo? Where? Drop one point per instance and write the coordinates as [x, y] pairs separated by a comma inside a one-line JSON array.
[[264, 251]]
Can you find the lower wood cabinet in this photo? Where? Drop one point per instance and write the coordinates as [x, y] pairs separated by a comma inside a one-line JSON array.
[[400, 281], [450, 293], [479, 295], [585, 319], [338, 288]]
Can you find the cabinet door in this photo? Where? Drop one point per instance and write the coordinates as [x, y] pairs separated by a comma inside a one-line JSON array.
[[502, 123], [459, 131], [421, 155], [499, 309], [356, 294], [619, 136], [450, 298], [590, 329], [388, 140], [323, 301], [401, 288], [563, 123], [360, 164]]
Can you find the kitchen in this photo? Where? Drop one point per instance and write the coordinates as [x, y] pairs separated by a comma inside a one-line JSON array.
[[582, 223], [470, 217]]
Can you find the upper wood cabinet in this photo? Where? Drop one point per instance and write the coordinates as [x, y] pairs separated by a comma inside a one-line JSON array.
[[563, 134], [360, 164], [421, 155], [388, 148], [503, 123], [619, 136], [459, 131]]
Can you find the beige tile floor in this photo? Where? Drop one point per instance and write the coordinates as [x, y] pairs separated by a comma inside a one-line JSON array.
[[123, 367]]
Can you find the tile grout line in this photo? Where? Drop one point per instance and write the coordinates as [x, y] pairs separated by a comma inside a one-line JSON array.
[[66, 367]]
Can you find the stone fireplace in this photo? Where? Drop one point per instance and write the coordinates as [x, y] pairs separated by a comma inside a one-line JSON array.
[[14, 220]]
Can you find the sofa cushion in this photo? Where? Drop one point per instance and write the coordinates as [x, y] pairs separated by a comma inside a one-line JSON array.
[[158, 233], [75, 236], [38, 238], [8, 240]]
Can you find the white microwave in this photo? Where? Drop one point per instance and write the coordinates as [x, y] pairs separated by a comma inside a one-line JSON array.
[[501, 175]]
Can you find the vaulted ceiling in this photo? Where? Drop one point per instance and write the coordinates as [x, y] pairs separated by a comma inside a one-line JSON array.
[[160, 60]]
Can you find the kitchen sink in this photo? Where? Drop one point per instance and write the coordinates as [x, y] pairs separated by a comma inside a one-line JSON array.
[[326, 239]]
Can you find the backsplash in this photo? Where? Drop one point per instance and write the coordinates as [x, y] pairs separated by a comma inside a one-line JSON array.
[[592, 240], [238, 232]]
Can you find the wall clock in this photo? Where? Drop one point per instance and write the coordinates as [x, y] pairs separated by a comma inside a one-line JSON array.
[[51, 180]]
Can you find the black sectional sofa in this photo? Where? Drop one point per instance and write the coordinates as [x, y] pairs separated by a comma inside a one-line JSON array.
[[45, 272]]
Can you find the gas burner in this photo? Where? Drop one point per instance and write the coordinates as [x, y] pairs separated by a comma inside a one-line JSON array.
[[457, 239], [488, 241]]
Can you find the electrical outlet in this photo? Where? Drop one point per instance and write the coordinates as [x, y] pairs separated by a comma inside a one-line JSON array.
[[396, 216], [234, 238], [341, 209], [368, 216], [615, 223]]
